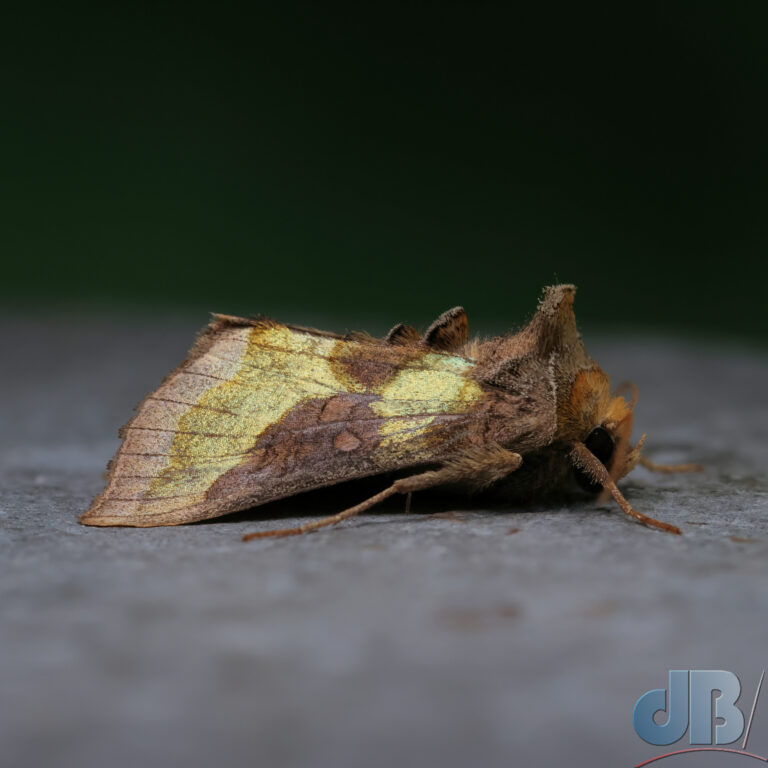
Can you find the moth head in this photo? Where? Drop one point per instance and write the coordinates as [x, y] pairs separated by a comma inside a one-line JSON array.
[[608, 439]]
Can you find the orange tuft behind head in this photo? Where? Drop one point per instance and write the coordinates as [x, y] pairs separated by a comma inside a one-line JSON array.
[[591, 414]]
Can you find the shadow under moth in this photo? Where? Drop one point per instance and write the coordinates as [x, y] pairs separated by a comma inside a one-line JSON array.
[[260, 411]]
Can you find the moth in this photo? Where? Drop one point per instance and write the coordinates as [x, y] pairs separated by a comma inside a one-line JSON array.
[[260, 411]]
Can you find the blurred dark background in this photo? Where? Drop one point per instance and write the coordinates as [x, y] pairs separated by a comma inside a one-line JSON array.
[[389, 160]]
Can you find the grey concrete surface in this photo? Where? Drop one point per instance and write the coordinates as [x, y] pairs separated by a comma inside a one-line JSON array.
[[473, 638]]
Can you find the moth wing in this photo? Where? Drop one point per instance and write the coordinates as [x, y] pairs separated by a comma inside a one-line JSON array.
[[260, 411]]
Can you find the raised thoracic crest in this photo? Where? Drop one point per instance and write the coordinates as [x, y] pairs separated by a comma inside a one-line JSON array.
[[261, 410]]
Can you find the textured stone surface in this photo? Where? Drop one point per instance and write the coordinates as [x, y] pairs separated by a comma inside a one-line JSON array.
[[475, 638]]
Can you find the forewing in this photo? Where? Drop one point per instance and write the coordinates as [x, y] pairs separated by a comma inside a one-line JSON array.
[[260, 411]]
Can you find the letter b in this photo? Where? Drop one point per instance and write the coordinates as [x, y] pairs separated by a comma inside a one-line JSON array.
[[703, 683]]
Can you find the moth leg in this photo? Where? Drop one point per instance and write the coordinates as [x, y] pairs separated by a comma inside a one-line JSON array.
[[480, 467], [587, 462], [668, 468], [332, 520]]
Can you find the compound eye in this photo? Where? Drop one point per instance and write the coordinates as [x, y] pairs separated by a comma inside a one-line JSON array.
[[600, 443]]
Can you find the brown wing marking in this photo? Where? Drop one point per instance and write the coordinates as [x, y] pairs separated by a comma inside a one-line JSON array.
[[303, 452]]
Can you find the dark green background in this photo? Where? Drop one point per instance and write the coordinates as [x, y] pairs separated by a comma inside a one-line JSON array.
[[385, 160]]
